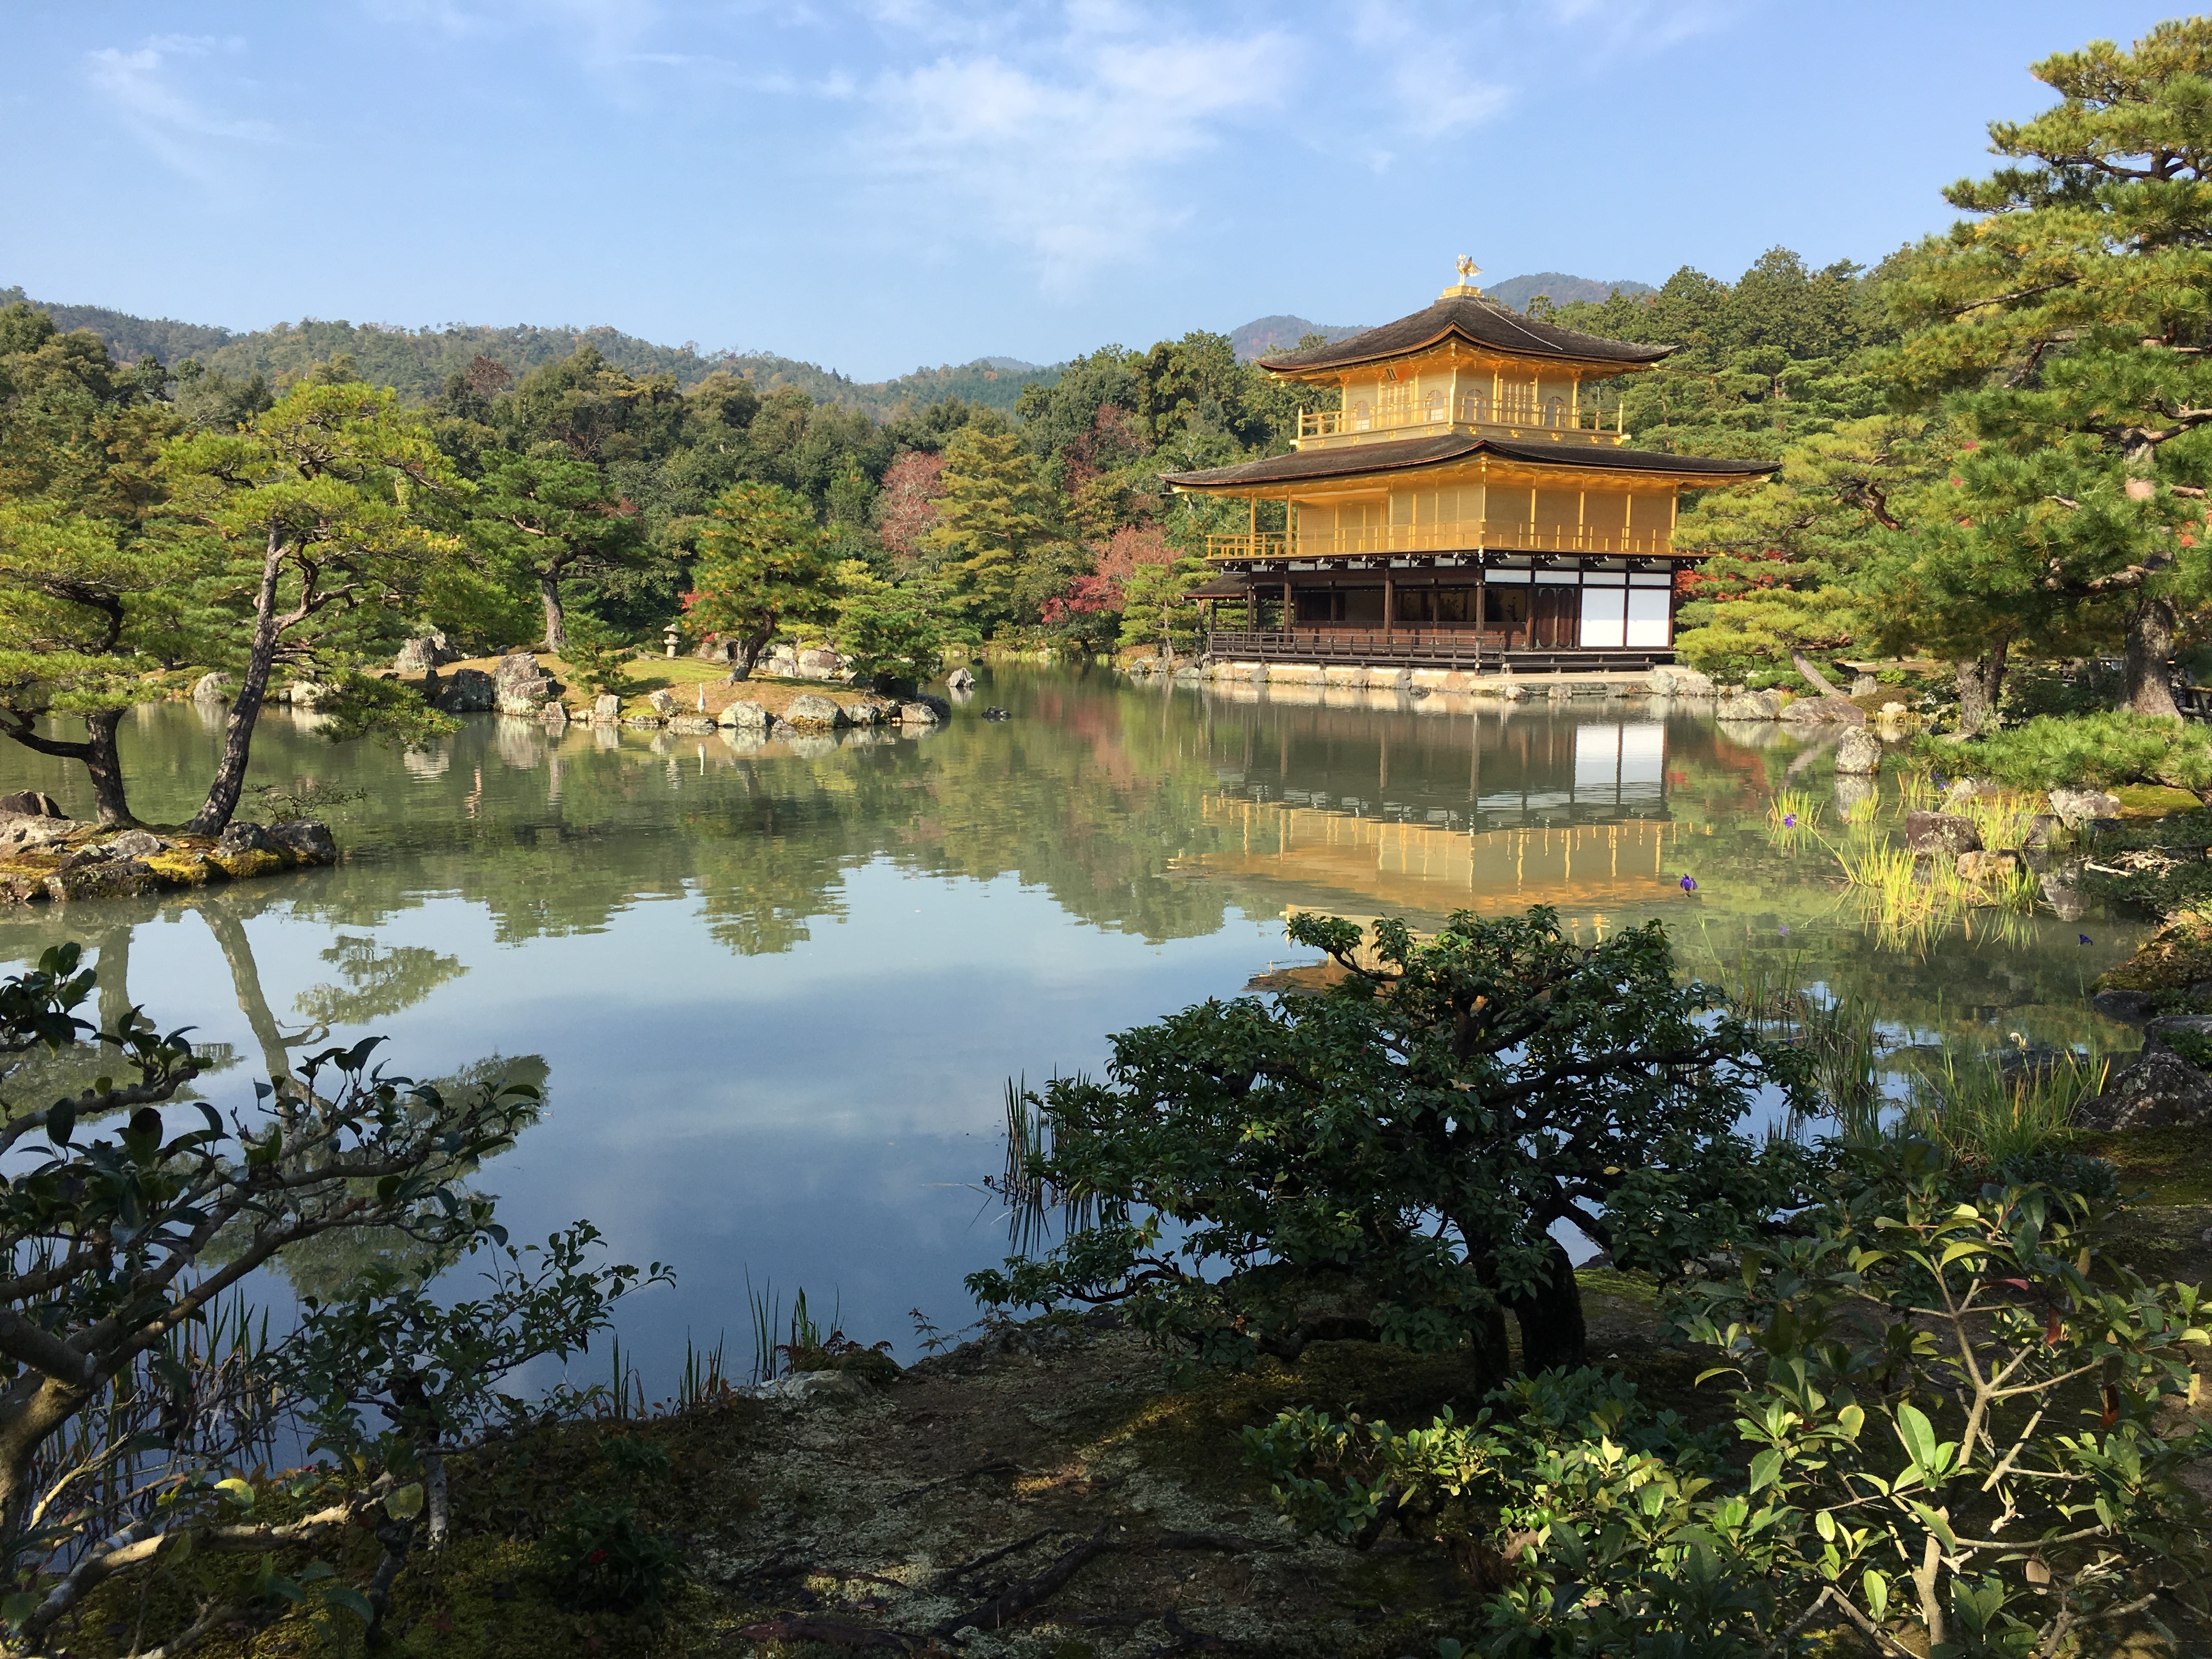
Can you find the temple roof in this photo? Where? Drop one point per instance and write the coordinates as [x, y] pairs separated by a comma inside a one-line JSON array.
[[1478, 321], [1407, 453]]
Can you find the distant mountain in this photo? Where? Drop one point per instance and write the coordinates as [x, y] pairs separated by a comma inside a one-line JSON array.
[[1268, 334], [416, 361], [1517, 291]]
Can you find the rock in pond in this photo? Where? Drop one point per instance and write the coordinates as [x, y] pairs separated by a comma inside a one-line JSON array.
[[307, 840], [213, 688], [810, 712], [693, 726], [1859, 754], [1749, 706], [960, 680], [916, 714], [1830, 711], [1940, 832]]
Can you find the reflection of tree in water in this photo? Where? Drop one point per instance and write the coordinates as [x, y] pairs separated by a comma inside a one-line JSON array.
[[379, 980], [1095, 794], [327, 1263]]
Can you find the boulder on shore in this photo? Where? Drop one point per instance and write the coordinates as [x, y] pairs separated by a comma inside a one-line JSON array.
[[2160, 1088], [213, 688], [606, 708], [1672, 680], [423, 654], [30, 803], [2076, 807], [813, 712], [1940, 832], [917, 714], [745, 717], [467, 691]]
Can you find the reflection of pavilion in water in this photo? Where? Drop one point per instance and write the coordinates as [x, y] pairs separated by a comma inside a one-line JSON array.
[[1488, 772], [1396, 866]]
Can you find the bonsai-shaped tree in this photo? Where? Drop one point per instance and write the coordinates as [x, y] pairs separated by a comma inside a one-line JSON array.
[[1392, 1159]]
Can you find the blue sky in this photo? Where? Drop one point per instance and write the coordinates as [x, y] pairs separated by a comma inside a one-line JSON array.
[[883, 184]]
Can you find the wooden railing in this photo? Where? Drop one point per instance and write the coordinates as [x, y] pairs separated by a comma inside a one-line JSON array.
[[1471, 648], [1508, 416], [1463, 535]]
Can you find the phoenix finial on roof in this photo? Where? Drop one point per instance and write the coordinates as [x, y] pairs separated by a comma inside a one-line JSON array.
[[1468, 270]]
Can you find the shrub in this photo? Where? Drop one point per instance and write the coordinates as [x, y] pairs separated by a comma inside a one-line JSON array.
[[2101, 750], [1389, 1159], [603, 1559], [1946, 1431]]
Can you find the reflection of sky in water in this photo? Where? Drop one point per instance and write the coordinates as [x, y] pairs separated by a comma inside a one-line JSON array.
[[778, 996]]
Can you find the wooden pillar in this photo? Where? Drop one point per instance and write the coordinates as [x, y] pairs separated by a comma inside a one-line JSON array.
[[1389, 604], [1481, 609], [1287, 605]]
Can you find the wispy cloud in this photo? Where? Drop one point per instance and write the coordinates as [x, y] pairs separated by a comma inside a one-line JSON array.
[[1434, 91], [146, 85], [1070, 156]]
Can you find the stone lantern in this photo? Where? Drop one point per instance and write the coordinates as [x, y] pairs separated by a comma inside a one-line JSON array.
[[671, 634]]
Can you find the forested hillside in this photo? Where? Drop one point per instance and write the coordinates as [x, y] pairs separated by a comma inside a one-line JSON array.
[[415, 362], [1010, 500]]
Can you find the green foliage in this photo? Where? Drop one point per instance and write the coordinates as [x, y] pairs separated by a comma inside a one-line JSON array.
[[316, 526], [1906, 1369], [1157, 608], [1389, 1159], [2102, 749], [764, 563], [154, 1221], [992, 515], [605, 1559], [599, 657], [885, 629], [551, 518], [2063, 322]]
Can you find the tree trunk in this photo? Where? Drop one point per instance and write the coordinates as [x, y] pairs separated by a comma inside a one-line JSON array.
[[1981, 684], [557, 624], [222, 794], [1812, 676], [2150, 643], [1551, 1316], [106, 768], [749, 647]]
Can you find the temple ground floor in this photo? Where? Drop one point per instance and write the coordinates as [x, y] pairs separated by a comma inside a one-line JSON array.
[[1527, 615]]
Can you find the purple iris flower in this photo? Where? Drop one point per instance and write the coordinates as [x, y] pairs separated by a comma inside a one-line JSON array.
[[1689, 883], [1789, 821]]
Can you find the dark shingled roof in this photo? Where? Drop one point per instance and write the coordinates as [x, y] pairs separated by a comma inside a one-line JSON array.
[[1424, 452], [1478, 321]]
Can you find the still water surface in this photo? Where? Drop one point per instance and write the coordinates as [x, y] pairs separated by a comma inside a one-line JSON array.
[[776, 996]]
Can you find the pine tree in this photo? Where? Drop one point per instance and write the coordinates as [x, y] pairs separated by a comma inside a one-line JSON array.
[[2069, 322], [992, 515], [319, 520], [764, 563]]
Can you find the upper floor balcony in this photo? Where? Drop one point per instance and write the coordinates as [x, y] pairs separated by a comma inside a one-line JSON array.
[[1462, 536], [1437, 412]]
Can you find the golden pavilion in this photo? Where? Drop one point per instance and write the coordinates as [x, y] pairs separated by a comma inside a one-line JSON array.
[[1459, 501]]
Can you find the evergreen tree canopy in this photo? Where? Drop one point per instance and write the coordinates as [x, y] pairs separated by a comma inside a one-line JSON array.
[[2069, 321]]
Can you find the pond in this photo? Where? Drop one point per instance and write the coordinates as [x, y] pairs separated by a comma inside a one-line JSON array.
[[775, 996]]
